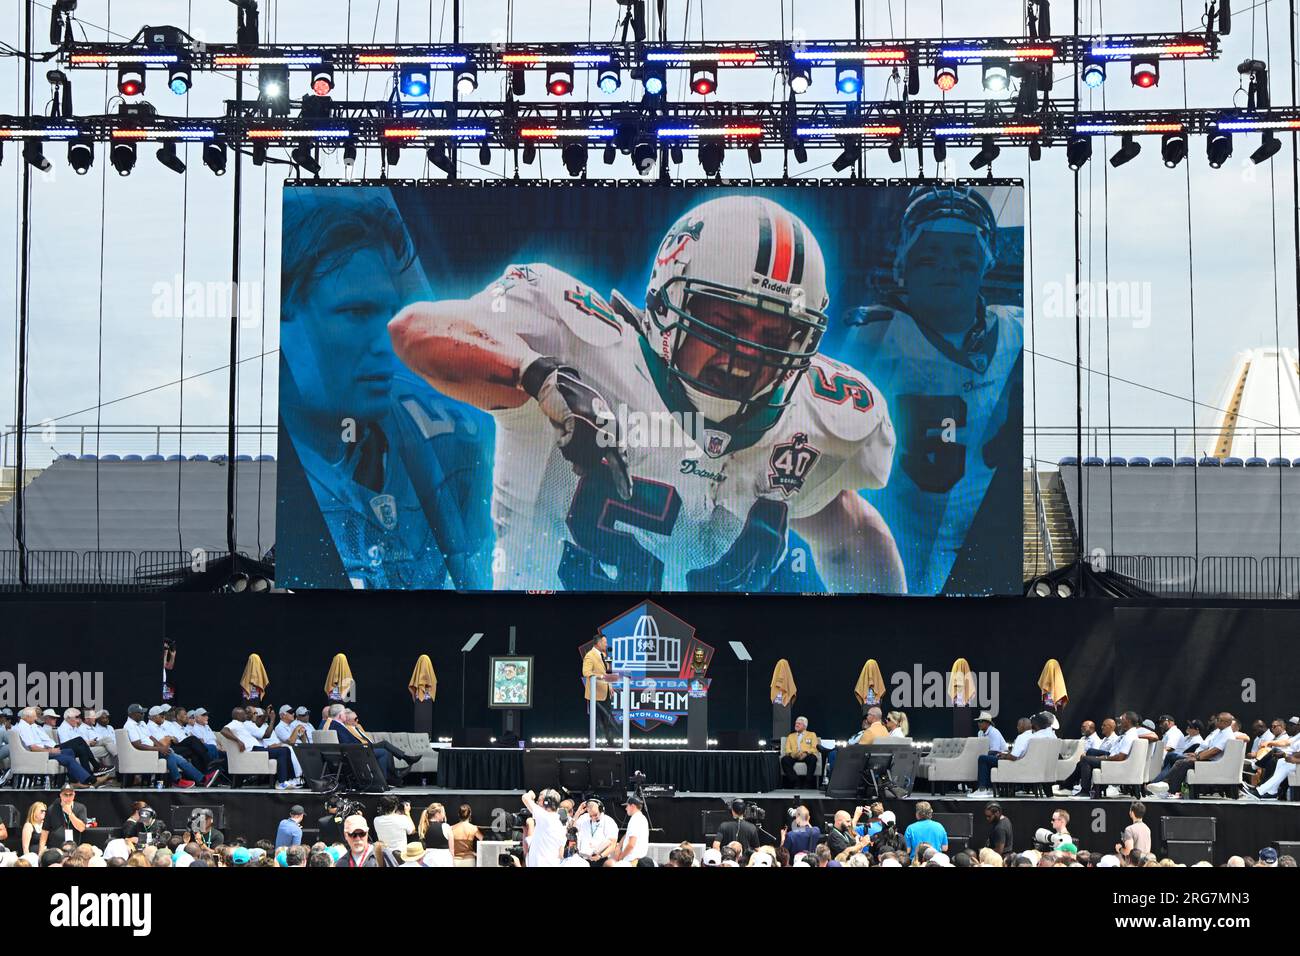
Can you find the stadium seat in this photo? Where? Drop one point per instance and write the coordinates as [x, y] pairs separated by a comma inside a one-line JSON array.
[[1139, 462], [265, 458], [87, 457], [1209, 461], [198, 457], [1279, 463], [1185, 461], [1254, 461], [1069, 460], [110, 458], [1295, 463], [1093, 461], [131, 458], [175, 457], [1117, 461], [1232, 461], [153, 458], [67, 458], [1162, 461], [218, 457], [243, 458]]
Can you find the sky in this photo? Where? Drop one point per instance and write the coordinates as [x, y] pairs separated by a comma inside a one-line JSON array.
[[109, 343]]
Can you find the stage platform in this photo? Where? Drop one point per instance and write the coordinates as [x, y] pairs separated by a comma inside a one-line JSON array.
[[1241, 826]]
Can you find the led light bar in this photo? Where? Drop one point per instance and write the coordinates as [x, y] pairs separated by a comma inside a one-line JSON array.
[[555, 132], [849, 131], [114, 59], [396, 59], [684, 131], [527, 59], [54, 132], [301, 59], [999, 53], [1030, 130], [1246, 126], [299, 133], [1169, 49], [867, 56], [706, 56], [1103, 129], [163, 133], [457, 132]]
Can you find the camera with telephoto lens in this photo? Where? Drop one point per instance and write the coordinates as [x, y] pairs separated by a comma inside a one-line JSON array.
[[754, 813]]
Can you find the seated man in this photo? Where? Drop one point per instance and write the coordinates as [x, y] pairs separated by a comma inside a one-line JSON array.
[[201, 730], [300, 720], [239, 733], [986, 762], [1118, 751], [1288, 758], [74, 728], [1170, 780], [176, 725], [1273, 746], [150, 735], [345, 723], [33, 738], [99, 731], [289, 731], [74, 742], [800, 748]]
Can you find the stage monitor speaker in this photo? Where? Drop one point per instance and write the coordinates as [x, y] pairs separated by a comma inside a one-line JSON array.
[[9, 816], [578, 770], [738, 739], [184, 816], [1187, 828], [472, 737], [959, 827], [575, 773], [1189, 852], [846, 775], [1289, 848]]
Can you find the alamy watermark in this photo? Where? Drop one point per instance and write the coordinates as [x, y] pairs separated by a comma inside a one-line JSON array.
[[1121, 301], [56, 689], [176, 298]]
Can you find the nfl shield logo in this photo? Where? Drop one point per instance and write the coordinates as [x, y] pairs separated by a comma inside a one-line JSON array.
[[715, 442], [385, 510]]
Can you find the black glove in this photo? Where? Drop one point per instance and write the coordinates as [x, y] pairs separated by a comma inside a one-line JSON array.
[[588, 438]]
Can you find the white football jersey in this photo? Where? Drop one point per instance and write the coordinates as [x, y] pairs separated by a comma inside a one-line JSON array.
[[696, 491], [949, 404]]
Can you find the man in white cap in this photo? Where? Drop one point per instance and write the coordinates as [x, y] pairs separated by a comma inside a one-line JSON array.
[[300, 720], [287, 730], [202, 731], [183, 774], [238, 733], [176, 724], [99, 730], [73, 741], [34, 739]]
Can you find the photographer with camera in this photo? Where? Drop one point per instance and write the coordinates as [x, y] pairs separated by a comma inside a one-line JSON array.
[[738, 829], [549, 833]]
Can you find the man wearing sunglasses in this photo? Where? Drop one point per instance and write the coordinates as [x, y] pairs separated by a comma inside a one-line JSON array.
[[361, 852]]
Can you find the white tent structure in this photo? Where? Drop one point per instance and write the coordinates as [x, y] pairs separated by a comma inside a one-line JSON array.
[[1253, 421]]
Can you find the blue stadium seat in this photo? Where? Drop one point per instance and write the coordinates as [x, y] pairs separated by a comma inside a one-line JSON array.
[[1295, 463], [153, 457], [1232, 461], [1117, 461], [1185, 461], [243, 458], [1279, 463], [67, 458], [110, 458], [175, 457], [1162, 461], [1139, 462], [218, 457], [1254, 461], [1093, 461], [198, 457], [1209, 461], [131, 458], [265, 458], [87, 457]]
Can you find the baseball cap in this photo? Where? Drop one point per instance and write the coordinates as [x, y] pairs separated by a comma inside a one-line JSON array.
[[634, 801], [302, 712], [983, 716], [1068, 848], [286, 709], [890, 862], [713, 857], [297, 809], [760, 859], [157, 710], [67, 788], [1268, 856], [198, 712], [49, 712], [240, 856], [1289, 720], [135, 709], [6, 711], [1109, 859], [942, 859], [888, 817]]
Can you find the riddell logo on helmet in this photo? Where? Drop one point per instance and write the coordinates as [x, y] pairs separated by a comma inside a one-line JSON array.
[[770, 285]]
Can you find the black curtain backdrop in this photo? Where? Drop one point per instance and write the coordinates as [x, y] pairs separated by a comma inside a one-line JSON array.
[[1186, 660]]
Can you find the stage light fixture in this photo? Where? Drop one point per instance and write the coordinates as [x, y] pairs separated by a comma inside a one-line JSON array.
[[1078, 151], [1268, 148], [414, 80], [467, 78], [895, 152], [122, 156], [848, 78], [945, 76], [1027, 95], [130, 79], [259, 154], [704, 78], [214, 156], [1218, 148], [179, 78], [392, 154], [676, 155], [439, 159], [1128, 150], [575, 157], [1173, 148], [989, 151], [851, 154], [1064, 589], [940, 150], [530, 153], [34, 155], [997, 76], [625, 131], [712, 153], [610, 78], [1145, 72], [484, 155], [519, 81], [1094, 72], [559, 79], [168, 156], [304, 156], [609, 155], [1035, 150], [273, 85], [755, 153], [644, 155], [81, 154], [654, 78], [322, 80], [800, 77], [349, 155], [800, 151]]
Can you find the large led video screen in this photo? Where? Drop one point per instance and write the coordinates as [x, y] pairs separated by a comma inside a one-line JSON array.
[[803, 389]]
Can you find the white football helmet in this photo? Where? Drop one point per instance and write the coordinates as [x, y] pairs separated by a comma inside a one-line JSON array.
[[749, 251]]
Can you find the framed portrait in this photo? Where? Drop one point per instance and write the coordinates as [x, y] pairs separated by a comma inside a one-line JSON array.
[[511, 684]]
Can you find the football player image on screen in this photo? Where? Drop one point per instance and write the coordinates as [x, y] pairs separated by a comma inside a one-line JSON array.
[[388, 465], [950, 367], [756, 433]]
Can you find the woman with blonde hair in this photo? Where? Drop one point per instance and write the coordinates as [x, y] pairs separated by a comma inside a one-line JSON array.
[[896, 721], [34, 826], [437, 837]]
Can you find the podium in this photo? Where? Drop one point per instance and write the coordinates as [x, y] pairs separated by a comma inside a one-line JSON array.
[[697, 718]]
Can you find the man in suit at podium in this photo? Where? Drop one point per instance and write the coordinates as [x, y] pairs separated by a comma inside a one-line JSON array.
[[596, 663]]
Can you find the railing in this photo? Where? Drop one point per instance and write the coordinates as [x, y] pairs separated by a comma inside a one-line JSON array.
[[1040, 515], [1059, 441], [1227, 576], [96, 571], [44, 444]]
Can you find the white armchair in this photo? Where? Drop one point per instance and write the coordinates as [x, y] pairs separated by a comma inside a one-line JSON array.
[[1035, 771]]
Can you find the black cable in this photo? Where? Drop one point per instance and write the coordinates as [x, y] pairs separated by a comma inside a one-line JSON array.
[[1191, 318], [180, 404], [233, 393], [1078, 340], [99, 331], [1277, 325], [1033, 329], [1295, 199], [24, 307], [1105, 278]]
